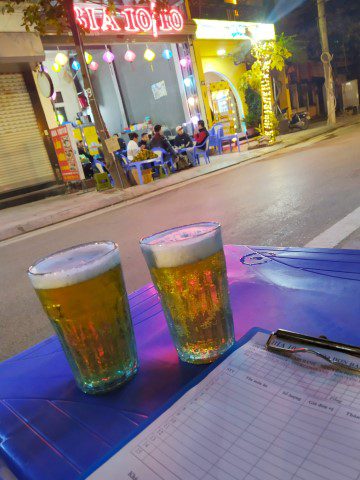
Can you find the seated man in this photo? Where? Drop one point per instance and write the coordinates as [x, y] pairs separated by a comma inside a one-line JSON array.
[[201, 134], [145, 140], [182, 139], [159, 141], [132, 147]]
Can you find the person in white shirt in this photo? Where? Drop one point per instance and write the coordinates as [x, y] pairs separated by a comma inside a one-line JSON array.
[[132, 147]]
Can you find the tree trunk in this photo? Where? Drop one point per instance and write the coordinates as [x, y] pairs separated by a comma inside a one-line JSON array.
[[326, 60], [114, 168]]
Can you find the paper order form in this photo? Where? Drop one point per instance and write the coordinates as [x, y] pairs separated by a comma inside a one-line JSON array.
[[257, 416]]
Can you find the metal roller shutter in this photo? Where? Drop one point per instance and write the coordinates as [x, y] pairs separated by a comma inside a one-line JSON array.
[[23, 157]]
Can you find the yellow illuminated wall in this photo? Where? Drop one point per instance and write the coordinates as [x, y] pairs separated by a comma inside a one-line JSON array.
[[208, 60]]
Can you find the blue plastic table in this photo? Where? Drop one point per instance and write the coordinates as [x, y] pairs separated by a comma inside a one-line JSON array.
[[50, 430]]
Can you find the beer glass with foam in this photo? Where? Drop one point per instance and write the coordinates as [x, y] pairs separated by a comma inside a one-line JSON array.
[[187, 266], [83, 293]]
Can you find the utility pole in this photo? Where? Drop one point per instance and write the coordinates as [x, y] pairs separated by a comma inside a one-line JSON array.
[[326, 58], [116, 171]]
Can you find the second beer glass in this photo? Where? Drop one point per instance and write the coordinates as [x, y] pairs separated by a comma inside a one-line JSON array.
[[187, 265]]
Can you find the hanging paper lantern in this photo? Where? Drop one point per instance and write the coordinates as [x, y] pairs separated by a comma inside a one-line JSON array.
[[75, 65], [56, 67], [61, 59], [88, 57], [129, 56], [187, 82], [184, 62], [94, 66], [149, 55], [108, 56], [167, 54], [191, 101]]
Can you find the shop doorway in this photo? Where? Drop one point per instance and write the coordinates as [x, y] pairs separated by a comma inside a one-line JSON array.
[[225, 102]]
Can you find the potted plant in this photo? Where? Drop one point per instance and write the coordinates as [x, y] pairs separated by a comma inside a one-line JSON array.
[[252, 122], [253, 117]]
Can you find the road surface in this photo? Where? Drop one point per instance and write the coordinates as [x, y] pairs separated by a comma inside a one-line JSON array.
[[284, 200]]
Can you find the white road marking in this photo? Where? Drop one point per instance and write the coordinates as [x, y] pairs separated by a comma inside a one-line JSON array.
[[334, 235]]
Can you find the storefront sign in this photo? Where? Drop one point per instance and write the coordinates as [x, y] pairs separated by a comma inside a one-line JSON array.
[[66, 151], [224, 30], [134, 20]]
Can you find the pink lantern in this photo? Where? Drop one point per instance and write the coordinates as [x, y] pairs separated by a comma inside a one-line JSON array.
[[129, 56], [94, 66], [184, 62], [108, 56]]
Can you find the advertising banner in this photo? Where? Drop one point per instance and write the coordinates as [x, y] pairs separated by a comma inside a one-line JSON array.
[[66, 151]]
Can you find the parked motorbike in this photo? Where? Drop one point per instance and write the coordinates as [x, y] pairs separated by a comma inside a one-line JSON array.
[[299, 120]]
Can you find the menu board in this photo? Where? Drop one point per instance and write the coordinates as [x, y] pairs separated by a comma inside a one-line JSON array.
[[67, 154]]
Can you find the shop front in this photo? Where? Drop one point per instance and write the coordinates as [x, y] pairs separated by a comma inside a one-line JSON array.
[[220, 49], [141, 70], [27, 159]]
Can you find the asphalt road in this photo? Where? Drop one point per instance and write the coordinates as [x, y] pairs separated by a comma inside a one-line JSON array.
[[286, 199]]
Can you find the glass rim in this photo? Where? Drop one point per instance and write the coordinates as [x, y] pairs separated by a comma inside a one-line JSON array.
[[215, 225], [89, 262]]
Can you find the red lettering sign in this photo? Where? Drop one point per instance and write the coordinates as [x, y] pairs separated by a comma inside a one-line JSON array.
[[131, 19]]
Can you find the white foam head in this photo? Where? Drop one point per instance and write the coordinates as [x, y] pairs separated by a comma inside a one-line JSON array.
[[74, 265], [182, 245]]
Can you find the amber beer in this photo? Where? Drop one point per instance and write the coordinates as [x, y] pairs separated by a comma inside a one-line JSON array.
[[187, 265], [83, 293]]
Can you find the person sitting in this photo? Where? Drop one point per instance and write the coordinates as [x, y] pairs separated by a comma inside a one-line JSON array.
[[201, 135], [159, 141], [145, 140], [132, 147], [182, 139]]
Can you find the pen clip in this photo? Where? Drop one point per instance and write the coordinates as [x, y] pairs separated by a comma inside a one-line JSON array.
[[320, 342]]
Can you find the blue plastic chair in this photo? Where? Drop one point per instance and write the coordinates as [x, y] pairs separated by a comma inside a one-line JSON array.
[[166, 158], [199, 151], [227, 138], [214, 142]]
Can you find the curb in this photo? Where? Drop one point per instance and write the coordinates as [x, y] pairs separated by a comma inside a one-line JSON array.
[[115, 198]]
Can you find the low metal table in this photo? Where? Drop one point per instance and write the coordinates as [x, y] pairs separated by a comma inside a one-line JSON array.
[[50, 430]]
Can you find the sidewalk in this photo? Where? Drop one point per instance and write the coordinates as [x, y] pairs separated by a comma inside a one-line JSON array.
[[21, 219]]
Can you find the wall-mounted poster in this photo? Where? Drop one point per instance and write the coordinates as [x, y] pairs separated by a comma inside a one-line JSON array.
[[159, 90]]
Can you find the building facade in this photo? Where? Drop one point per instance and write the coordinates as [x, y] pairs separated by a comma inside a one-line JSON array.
[[27, 158]]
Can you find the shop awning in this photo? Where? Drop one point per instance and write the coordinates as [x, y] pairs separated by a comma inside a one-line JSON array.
[[20, 47], [112, 39]]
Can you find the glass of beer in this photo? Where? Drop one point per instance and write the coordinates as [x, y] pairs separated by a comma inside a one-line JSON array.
[[187, 266], [83, 293]]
